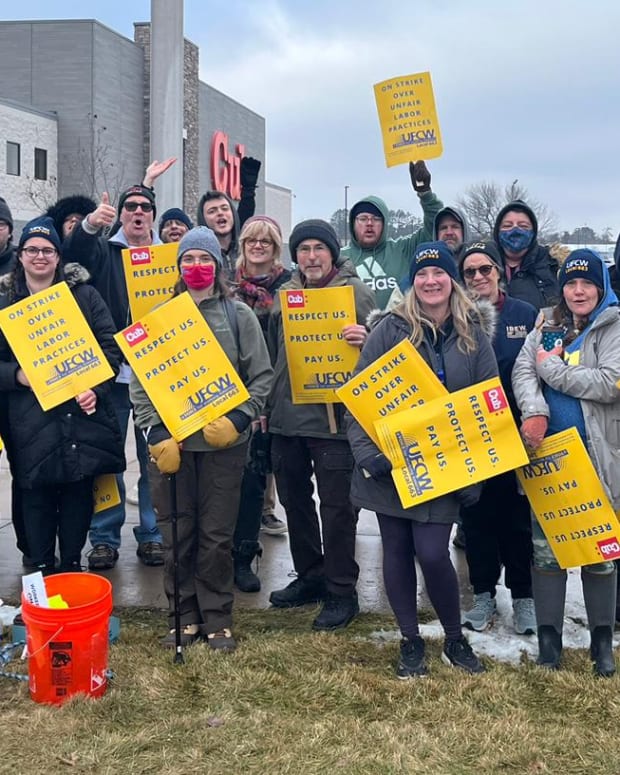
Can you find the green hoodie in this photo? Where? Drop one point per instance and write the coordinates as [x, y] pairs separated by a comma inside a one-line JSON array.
[[383, 266]]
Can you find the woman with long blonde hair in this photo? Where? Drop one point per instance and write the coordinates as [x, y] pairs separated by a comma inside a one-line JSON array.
[[451, 334]]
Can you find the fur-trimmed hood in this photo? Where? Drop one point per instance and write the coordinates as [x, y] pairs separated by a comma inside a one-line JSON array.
[[73, 274], [82, 205]]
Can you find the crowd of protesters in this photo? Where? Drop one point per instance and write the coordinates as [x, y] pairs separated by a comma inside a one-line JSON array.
[[472, 310]]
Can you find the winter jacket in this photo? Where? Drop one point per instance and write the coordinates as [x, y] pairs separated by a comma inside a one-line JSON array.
[[8, 258], [595, 382], [383, 266], [535, 280], [246, 350], [460, 370], [285, 417], [62, 444], [103, 258]]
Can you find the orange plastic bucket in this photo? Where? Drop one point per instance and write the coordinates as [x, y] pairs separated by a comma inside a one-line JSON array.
[[68, 647]]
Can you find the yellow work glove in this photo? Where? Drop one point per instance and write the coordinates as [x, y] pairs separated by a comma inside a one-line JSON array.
[[163, 449], [220, 433]]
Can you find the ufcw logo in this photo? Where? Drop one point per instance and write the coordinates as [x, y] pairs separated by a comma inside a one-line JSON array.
[[576, 265], [419, 479], [421, 137], [542, 466], [76, 363], [216, 390]]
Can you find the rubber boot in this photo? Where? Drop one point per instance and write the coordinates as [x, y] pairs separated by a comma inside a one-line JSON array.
[[549, 591], [599, 595], [245, 578]]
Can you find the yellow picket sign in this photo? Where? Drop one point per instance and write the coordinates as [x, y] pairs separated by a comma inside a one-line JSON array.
[[398, 380], [319, 359], [569, 502], [105, 493], [408, 118], [150, 275], [181, 365], [454, 441], [54, 345]]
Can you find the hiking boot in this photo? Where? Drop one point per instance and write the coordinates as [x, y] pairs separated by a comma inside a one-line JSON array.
[[459, 538], [151, 553], [481, 614], [74, 566], [337, 612], [411, 662], [549, 647], [273, 526], [602, 652], [102, 557], [189, 635], [301, 591], [245, 578], [524, 616], [222, 640], [458, 653]]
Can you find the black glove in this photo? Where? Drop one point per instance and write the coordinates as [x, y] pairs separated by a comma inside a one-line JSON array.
[[377, 466], [249, 172], [469, 496], [420, 177], [239, 419]]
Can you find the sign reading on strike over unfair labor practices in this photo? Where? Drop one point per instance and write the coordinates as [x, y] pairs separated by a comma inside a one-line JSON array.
[[408, 119], [319, 358], [105, 493], [150, 274], [570, 502], [398, 380], [182, 366], [452, 442], [54, 345]]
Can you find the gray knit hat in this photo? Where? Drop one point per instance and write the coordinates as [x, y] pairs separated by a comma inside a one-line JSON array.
[[5, 214], [200, 238], [314, 229]]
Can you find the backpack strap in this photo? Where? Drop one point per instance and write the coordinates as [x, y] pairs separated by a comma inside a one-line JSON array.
[[231, 314]]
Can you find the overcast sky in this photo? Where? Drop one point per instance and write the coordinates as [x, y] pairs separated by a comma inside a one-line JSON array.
[[526, 91]]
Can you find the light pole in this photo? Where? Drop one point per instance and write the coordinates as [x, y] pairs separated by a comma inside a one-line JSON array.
[[346, 216]]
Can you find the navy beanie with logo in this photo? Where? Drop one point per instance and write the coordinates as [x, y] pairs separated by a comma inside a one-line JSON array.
[[582, 263], [433, 254], [43, 226]]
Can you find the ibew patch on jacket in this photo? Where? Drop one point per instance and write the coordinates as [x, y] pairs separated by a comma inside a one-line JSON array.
[[516, 332]]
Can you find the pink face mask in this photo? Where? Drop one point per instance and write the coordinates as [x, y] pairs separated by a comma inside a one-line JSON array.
[[198, 276]]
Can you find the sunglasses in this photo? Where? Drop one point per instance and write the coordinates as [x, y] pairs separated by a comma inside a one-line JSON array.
[[131, 207], [485, 270]]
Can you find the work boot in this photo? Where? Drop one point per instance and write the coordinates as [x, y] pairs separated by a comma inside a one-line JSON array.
[[337, 612], [549, 647], [411, 663], [599, 595], [301, 591], [245, 578]]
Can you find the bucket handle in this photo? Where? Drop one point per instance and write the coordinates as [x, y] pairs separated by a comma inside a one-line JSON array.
[[58, 631]]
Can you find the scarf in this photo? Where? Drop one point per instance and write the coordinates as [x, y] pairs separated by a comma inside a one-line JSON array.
[[255, 291]]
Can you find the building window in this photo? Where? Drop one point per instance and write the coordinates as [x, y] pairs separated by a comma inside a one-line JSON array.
[[40, 164], [13, 160]]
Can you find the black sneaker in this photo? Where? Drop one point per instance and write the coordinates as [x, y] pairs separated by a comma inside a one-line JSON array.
[[458, 653], [102, 557], [299, 592], [411, 662], [151, 553], [337, 612]]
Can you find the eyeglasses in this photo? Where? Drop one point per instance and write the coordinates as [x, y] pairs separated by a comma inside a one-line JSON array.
[[306, 250], [264, 243], [33, 252], [191, 260], [365, 219], [485, 270], [131, 207]]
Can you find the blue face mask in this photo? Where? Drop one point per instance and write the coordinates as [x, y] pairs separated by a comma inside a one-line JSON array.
[[516, 239]]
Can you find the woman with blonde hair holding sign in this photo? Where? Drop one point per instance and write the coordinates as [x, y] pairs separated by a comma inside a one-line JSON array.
[[209, 464], [574, 381], [448, 331]]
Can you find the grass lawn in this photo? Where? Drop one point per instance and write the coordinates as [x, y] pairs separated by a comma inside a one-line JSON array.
[[292, 701]]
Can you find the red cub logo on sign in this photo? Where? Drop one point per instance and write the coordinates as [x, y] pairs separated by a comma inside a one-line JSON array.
[[135, 334], [495, 399], [139, 256], [610, 548], [295, 299]]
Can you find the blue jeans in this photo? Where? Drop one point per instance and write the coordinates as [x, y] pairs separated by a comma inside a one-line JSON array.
[[105, 527]]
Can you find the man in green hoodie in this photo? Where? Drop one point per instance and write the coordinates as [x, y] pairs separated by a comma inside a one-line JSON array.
[[381, 262]]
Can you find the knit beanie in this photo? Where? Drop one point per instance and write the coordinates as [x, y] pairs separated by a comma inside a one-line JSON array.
[[314, 229], [138, 190], [175, 214], [366, 207], [433, 254], [200, 238], [582, 263], [5, 214], [43, 226], [264, 219], [488, 248]]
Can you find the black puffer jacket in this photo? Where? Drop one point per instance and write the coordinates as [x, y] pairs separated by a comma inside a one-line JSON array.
[[62, 444]]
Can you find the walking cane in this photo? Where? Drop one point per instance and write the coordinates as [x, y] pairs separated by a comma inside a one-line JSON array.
[[178, 649]]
